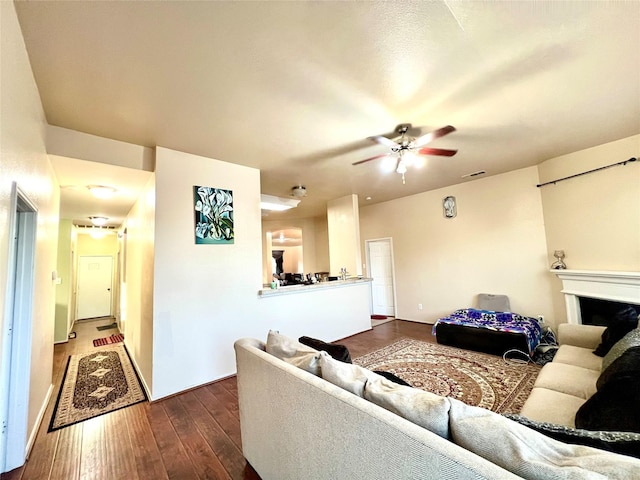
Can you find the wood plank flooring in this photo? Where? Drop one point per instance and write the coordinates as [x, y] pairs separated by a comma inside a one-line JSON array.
[[194, 435]]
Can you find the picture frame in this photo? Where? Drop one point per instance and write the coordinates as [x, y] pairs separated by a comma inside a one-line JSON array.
[[449, 207], [213, 212]]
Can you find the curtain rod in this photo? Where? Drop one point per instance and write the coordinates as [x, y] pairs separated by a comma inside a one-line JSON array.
[[632, 159]]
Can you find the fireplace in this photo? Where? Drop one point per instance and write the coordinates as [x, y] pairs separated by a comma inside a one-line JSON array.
[[599, 292]]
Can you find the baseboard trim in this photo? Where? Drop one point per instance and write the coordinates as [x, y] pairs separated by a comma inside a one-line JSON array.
[[36, 427]]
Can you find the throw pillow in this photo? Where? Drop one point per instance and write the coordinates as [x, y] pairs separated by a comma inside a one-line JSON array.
[[625, 443], [425, 409], [338, 352], [614, 406], [626, 365], [293, 352], [348, 376], [631, 339], [283, 347], [623, 322]]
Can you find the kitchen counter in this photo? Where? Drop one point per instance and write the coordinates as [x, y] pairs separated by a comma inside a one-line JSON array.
[[314, 287]]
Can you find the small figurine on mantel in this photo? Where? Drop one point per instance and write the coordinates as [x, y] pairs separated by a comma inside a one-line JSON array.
[[558, 264]]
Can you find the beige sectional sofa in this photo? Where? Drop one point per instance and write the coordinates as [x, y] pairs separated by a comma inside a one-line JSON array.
[[304, 415], [566, 383]]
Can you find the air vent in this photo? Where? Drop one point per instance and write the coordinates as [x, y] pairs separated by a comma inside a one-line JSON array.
[[474, 174]]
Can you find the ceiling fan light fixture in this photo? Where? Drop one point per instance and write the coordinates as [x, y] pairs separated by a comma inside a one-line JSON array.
[[277, 204], [101, 191]]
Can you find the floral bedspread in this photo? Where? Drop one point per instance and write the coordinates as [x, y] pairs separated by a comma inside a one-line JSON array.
[[498, 321]]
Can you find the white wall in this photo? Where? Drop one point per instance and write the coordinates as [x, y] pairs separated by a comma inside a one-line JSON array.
[[496, 244], [136, 289], [594, 218], [205, 295], [23, 159]]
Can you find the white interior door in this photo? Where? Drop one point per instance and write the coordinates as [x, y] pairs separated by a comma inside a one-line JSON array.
[[95, 280], [381, 271]]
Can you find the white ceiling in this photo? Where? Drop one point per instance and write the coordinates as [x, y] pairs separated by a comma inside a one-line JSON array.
[[294, 88], [79, 203]]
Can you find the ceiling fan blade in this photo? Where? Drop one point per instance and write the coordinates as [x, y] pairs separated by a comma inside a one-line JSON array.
[[383, 141], [429, 137], [437, 151], [372, 158]]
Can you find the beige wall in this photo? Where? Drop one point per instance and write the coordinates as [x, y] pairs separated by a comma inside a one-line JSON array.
[[344, 235], [104, 246], [23, 160], [322, 244], [64, 316], [136, 287], [594, 218], [496, 244], [107, 245], [308, 228], [292, 259]]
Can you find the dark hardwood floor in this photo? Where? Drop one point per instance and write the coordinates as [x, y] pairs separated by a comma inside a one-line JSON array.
[[193, 435]]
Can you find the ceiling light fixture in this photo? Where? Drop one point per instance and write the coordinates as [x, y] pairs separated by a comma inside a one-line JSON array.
[[278, 204], [299, 191], [101, 191], [99, 221]]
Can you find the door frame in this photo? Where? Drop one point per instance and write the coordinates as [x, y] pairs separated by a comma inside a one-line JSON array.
[[388, 240], [16, 330]]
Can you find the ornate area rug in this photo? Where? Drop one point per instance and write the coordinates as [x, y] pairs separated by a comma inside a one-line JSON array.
[[94, 384], [474, 378]]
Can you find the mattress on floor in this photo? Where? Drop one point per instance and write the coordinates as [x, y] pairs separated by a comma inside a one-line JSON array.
[[488, 331]]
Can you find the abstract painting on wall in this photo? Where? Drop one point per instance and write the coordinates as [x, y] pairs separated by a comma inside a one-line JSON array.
[[213, 208]]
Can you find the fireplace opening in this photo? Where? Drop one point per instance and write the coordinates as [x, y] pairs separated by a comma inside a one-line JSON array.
[[595, 311]]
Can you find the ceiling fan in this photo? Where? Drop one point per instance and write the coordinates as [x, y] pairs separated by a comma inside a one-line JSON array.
[[406, 147]]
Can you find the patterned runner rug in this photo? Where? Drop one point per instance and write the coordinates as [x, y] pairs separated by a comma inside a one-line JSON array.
[[474, 378], [115, 338], [94, 384]]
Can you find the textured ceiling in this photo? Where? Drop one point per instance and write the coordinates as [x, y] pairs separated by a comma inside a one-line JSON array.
[[294, 88]]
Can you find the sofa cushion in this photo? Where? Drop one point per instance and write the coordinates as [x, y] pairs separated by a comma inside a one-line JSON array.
[[426, 409], [293, 352], [528, 453], [615, 405], [561, 377], [544, 405], [579, 356], [337, 351], [625, 443], [622, 323], [631, 339]]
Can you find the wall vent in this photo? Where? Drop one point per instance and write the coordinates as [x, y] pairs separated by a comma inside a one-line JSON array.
[[474, 174]]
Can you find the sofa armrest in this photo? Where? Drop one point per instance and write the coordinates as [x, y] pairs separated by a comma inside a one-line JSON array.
[[585, 336]]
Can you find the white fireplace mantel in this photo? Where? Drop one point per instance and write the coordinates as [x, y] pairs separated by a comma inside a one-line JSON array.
[[614, 286]]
